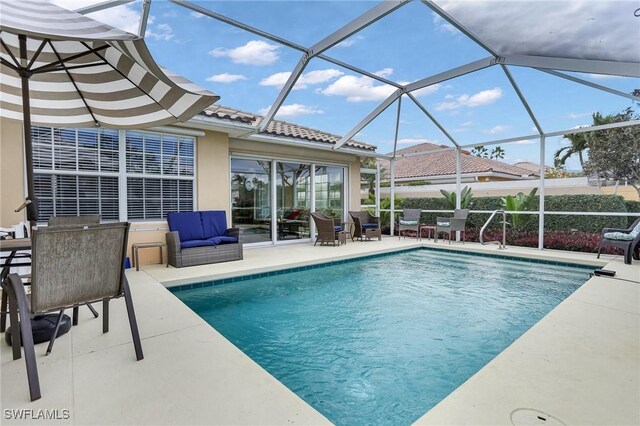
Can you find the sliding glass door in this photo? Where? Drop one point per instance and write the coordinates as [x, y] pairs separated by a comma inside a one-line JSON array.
[[271, 200], [251, 199], [293, 193]]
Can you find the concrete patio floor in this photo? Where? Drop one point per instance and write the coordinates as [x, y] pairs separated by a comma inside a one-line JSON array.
[[580, 364]]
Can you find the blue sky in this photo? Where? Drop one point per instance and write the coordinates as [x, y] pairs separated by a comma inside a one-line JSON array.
[[409, 44]]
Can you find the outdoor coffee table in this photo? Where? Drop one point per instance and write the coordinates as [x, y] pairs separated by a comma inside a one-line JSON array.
[[137, 246]]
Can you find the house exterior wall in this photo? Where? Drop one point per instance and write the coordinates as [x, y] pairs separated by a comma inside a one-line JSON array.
[[213, 188]]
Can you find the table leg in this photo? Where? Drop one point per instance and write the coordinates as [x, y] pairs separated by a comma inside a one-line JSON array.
[[136, 256]]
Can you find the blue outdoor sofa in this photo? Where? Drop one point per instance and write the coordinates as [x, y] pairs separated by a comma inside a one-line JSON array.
[[200, 238]]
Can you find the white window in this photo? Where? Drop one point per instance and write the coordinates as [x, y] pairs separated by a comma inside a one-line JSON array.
[[79, 171]]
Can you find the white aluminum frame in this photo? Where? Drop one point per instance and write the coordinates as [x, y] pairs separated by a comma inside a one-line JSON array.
[[550, 65]]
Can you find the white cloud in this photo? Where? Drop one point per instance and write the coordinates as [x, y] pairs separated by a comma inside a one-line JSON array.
[[443, 25], [527, 142], [196, 15], [123, 17], [425, 90], [603, 76], [160, 32], [484, 97], [574, 115], [350, 41], [359, 89], [293, 110], [497, 129], [255, 52], [226, 78], [313, 77]]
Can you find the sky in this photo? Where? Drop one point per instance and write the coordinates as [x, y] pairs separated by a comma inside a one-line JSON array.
[[412, 43]]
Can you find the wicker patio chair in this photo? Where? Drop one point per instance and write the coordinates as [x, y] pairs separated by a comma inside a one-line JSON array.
[[366, 226], [327, 228], [409, 221], [626, 239], [72, 266], [457, 223]]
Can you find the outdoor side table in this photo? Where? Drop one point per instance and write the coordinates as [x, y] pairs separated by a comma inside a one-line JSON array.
[[431, 230], [137, 246], [342, 237], [347, 226]]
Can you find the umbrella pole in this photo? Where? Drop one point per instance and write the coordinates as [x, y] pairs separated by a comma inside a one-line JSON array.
[[25, 74]]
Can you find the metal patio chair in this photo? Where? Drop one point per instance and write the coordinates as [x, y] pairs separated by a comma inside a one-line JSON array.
[[457, 223], [71, 266]]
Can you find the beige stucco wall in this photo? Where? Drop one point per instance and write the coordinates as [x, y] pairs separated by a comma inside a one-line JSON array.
[[212, 177], [11, 172]]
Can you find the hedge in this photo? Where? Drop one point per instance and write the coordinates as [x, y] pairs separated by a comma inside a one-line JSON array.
[[594, 203], [632, 207]]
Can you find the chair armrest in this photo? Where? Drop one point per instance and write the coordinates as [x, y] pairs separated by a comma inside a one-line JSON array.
[[173, 242], [234, 232]]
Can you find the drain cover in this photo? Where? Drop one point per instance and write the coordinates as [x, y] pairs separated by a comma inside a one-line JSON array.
[[531, 417]]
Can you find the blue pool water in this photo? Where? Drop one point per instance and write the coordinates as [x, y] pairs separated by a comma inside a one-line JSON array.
[[382, 340]]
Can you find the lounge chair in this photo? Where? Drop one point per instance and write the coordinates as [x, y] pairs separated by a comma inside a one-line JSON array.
[[328, 228], [626, 239], [367, 226], [72, 266], [457, 223], [409, 221]]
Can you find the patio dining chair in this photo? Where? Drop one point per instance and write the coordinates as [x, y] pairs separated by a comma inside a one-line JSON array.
[[89, 219], [409, 221], [327, 228], [457, 223], [71, 266], [626, 239]]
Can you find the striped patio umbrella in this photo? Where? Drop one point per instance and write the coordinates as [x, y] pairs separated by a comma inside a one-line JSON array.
[[60, 68]]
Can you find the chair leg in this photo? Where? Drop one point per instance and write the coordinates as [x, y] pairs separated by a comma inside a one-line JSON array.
[[75, 315], [93, 311], [3, 315], [105, 316], [627, 255], [27, 336], [137, 345], [55, 331], [16, 340], [599, 250]]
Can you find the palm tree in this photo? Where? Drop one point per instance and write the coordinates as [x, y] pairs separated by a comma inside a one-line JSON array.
[[578, 143]]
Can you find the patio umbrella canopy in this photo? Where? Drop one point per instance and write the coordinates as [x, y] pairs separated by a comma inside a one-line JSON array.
[[60, 68]]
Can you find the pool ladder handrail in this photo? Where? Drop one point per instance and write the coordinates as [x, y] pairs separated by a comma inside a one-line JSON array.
[[501, 246]]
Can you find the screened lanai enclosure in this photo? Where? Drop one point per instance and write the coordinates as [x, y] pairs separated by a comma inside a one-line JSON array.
[[455, 76]]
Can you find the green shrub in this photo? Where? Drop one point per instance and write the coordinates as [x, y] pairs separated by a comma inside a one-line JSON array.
[[632, 207], [593, 203]]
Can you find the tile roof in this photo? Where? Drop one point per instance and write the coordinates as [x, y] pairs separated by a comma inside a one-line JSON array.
[[443, 163], [280, 128], [534, 167]]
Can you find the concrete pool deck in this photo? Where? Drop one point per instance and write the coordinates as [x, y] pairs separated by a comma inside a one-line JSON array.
[[580, 364]]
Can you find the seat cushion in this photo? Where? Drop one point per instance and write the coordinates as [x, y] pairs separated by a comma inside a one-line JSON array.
[[188, 225], [337, 228], [222, 240], [195, 243], [370, 226], [444, 223], [620, 236], [214, 223], [408, 222]]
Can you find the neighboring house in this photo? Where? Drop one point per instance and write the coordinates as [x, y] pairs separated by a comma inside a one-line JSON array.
[[532, 167], [212, 162], [440, 167]]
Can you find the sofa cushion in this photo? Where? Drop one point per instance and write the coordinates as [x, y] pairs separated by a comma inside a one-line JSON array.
[[222, 240], [214, 223], [620, 236], [370, 226], [188, 225], [195, 243], [408, 222]]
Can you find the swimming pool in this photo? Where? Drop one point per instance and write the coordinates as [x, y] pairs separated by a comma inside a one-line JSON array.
[[382, 340]]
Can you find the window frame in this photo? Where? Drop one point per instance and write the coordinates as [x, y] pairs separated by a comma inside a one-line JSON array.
[[122, 175]]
